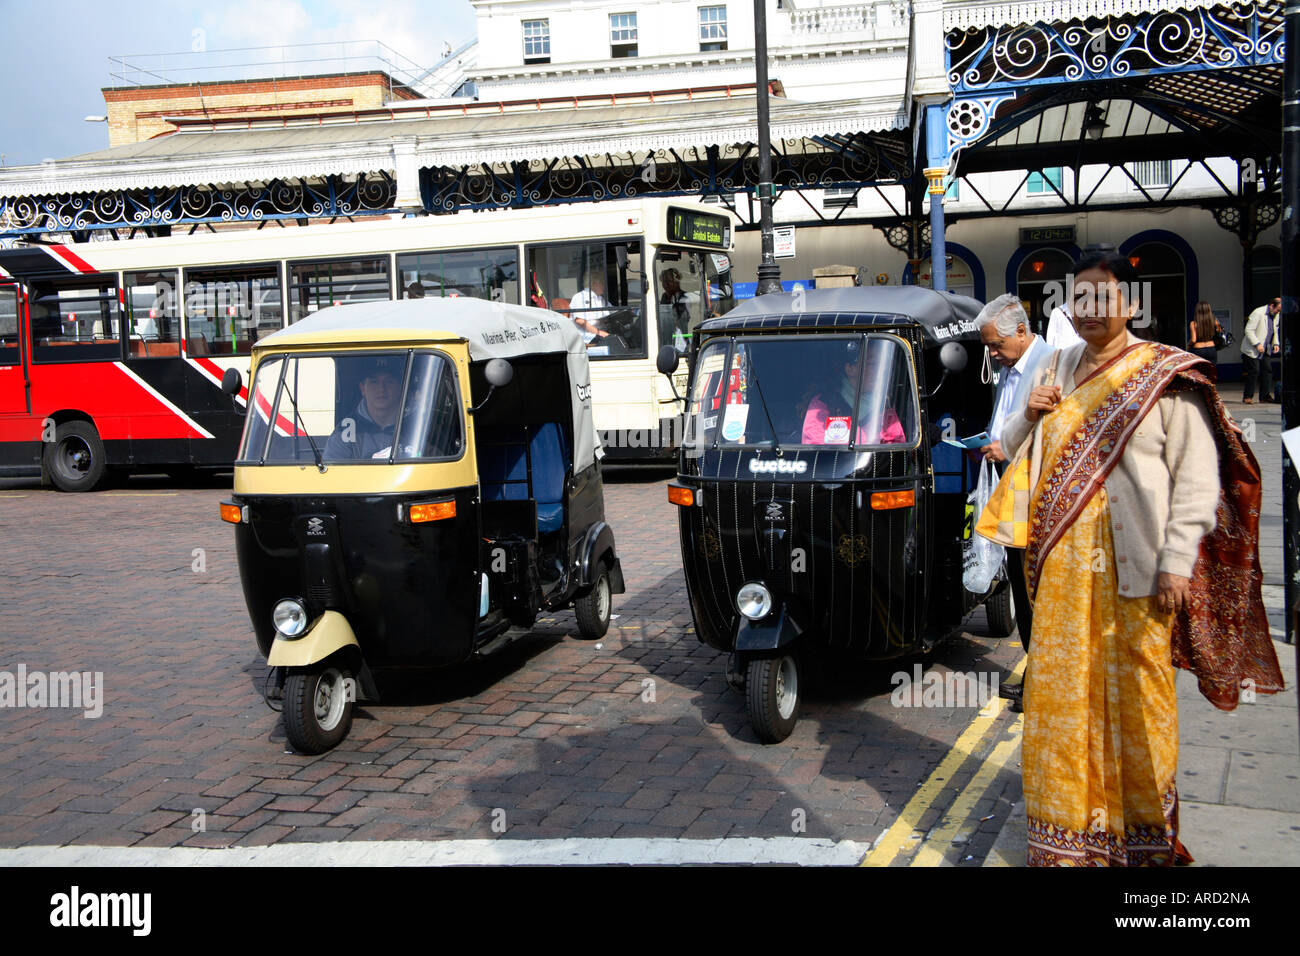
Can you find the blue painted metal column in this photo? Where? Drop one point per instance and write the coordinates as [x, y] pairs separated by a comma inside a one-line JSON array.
[[936, 171]]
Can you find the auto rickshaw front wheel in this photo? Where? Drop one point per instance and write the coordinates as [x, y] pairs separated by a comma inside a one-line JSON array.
[[318, 708], [593, 608], [1000, 610], [772, 696]]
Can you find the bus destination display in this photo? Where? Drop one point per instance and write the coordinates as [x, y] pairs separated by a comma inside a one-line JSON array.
[[701, 228]]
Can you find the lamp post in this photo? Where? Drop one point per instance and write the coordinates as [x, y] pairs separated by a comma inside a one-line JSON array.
[[1289, 317], [769, 273]]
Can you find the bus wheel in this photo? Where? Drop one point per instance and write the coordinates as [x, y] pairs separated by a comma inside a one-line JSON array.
[[75, 459], [317, 708], [772, 696], [593, 609], [1001, 612]]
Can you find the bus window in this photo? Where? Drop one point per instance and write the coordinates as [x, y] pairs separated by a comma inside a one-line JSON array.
[[598, 285], [153, 319], [692, 287], [228, 309], [75, 321], [9, 326], [479, 273], [319, 285]]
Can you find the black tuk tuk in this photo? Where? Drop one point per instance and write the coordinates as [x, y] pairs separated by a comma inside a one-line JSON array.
[[821, 511], [415, 479]]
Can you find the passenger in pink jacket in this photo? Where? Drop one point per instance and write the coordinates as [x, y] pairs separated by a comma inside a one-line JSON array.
[[827, 421]]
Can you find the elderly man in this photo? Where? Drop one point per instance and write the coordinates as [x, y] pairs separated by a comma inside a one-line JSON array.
[[1261, 341], [1004, 330]]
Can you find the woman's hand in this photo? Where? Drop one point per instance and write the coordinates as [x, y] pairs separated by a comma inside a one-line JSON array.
[[1172, 592], [1043, 398]]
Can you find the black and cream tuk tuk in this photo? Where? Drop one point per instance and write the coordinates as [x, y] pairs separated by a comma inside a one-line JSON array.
[[821, 511], [415, 479]]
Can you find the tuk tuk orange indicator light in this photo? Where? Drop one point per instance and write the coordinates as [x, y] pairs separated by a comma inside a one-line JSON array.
[[886, 500], [679, 495], [434, 511], [232, 513]]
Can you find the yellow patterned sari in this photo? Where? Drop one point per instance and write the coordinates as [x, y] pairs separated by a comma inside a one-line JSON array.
[[1100, 749]]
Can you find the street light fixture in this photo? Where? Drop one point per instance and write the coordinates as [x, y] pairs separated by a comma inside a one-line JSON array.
[[1094, 121]]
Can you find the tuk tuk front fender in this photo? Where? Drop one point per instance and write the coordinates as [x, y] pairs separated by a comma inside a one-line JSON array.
[[598, 549], [330, 634], [772, 633]]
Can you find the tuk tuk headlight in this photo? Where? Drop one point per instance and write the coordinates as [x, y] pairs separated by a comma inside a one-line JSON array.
[[754, 601], [290, 618]]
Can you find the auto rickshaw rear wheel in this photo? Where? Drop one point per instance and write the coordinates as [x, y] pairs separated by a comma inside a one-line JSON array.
[[593, 608], [318, 708], [772, 696], [1001, 612]]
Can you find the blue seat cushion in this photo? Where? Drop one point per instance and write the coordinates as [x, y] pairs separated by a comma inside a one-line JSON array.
[[503, 454], [550, 465]]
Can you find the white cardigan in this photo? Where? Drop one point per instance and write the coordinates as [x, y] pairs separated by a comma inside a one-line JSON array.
[[1163, 492]]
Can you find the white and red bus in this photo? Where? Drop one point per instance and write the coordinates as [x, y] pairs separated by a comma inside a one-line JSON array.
[[112, 353]]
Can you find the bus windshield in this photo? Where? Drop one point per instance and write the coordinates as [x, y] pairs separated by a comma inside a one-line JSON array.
[[807, 391], [353, 408], [693, 286]]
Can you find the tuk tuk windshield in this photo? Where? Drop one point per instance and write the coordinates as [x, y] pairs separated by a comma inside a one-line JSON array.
[[353, 407], [848, 391]]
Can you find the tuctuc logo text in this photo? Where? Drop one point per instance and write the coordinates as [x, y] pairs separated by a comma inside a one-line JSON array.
[[777, 466]]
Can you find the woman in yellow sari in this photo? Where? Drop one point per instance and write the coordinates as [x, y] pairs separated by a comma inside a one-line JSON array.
[[1128, 488]]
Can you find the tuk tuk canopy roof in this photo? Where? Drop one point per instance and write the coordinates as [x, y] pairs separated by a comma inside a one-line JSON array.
[[944, 316], [490, 329]]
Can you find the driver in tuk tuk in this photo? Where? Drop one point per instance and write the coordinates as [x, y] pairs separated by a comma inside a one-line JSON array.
[[368, 431], [829, 413]]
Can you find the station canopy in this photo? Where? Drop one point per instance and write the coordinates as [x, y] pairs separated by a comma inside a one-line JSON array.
[[441, 156]]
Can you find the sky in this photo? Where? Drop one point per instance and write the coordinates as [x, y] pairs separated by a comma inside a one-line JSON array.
[[56, 58]]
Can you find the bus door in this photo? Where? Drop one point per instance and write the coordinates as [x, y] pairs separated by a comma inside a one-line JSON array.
[[13, 373]]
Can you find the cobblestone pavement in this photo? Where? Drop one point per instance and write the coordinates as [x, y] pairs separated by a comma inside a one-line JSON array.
[[633, 736]]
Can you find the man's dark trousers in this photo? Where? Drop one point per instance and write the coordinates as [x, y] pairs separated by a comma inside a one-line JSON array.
[[1257, 367], [1019, 592]]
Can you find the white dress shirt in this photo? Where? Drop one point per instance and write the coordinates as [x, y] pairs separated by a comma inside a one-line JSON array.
[[1007, 398], [1061, 333], [586, 299]]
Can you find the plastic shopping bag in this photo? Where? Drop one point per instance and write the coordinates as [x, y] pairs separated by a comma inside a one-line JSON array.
[[982, 558]]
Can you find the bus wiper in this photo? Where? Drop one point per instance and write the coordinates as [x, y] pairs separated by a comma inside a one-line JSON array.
[[320, 465]]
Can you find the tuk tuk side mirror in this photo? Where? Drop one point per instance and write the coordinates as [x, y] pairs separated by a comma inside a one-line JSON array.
[[668, 360], [232, 381], [498, 373], [953, 357]]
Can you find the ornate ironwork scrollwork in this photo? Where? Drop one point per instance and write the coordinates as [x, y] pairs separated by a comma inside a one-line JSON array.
[[1232, 35], [143, 208]]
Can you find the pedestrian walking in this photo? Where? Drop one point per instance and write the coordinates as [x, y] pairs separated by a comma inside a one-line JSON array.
[[1123, 583], [1004, 329], [1201, 335], [1259, 343]]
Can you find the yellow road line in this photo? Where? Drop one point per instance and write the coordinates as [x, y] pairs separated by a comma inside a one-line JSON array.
[[939, 840], [899, 835], [140, 494], [15, 496]]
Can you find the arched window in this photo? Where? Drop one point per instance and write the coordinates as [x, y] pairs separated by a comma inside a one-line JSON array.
[[1040, 279], [1163, 275]]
